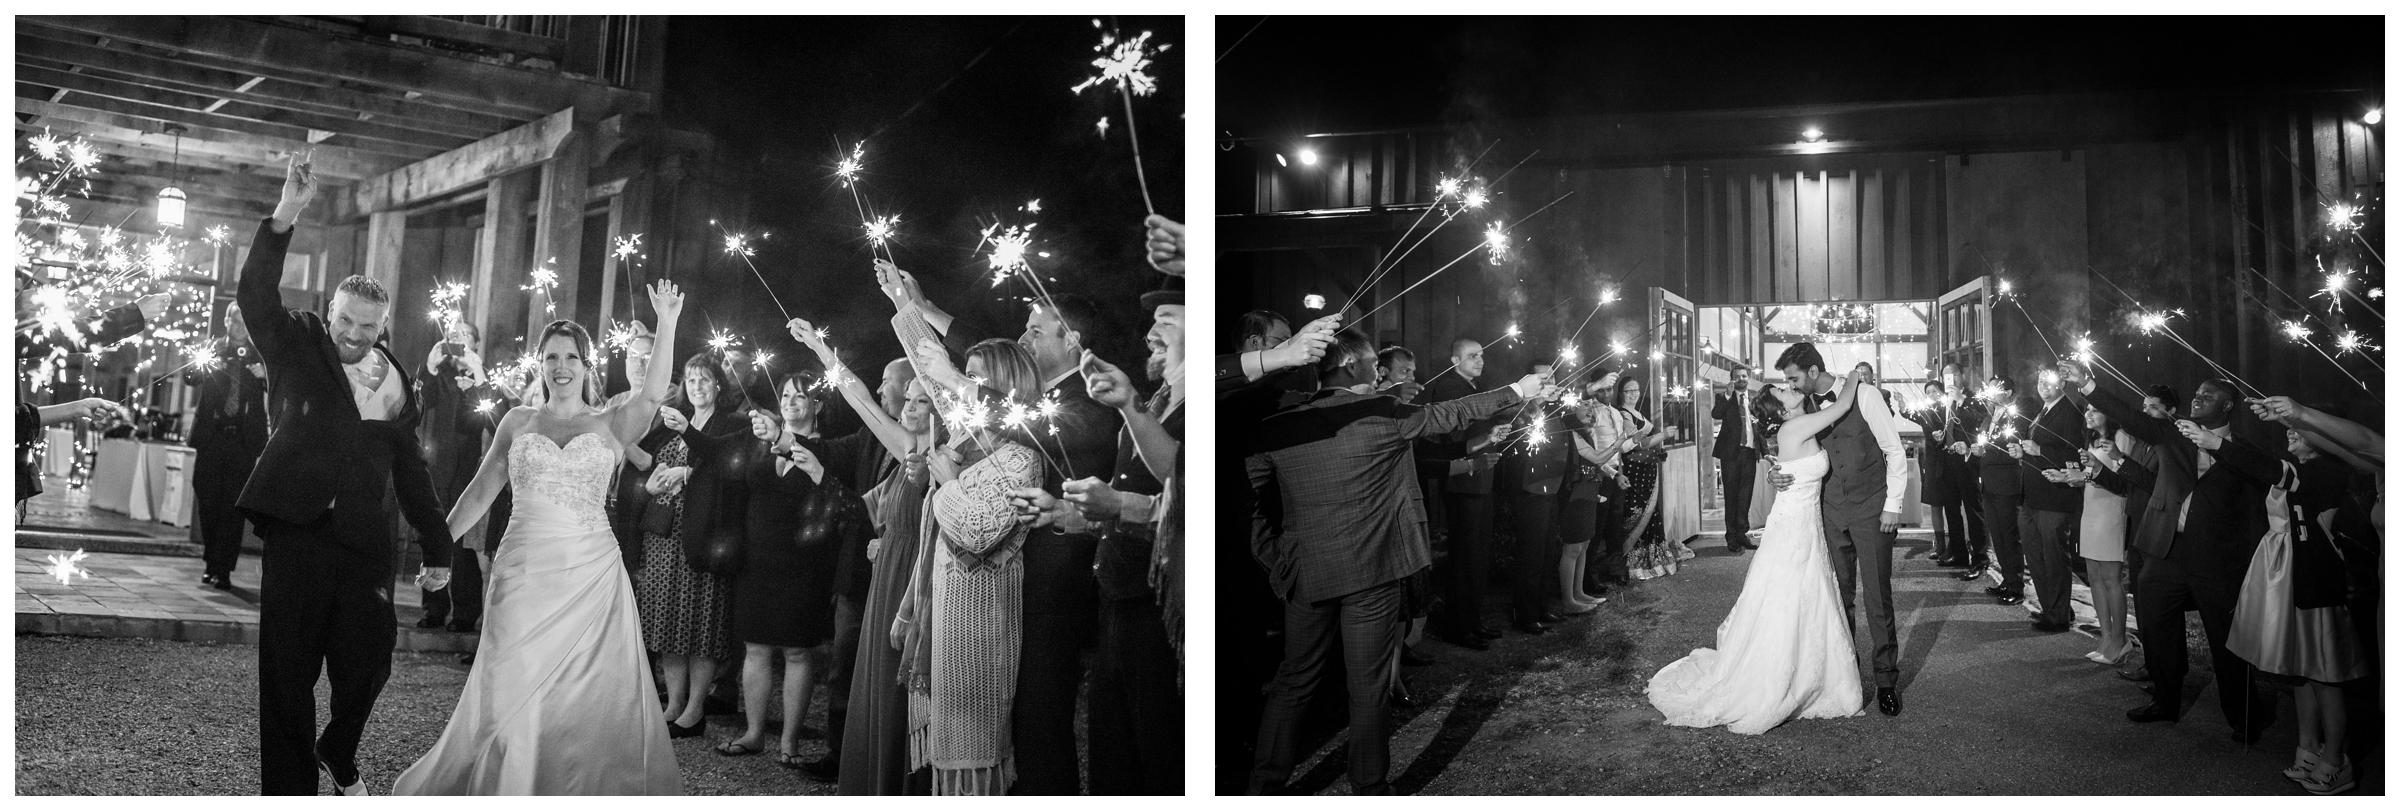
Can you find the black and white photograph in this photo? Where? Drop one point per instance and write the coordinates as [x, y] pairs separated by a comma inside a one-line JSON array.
[[600, 405], [1799, 406]]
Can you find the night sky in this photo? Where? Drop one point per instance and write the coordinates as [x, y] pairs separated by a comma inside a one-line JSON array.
[[965, 119], [1298, 75]]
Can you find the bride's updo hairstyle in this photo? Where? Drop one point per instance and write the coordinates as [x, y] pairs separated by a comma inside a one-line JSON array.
[[583, 349], [1770, 407]]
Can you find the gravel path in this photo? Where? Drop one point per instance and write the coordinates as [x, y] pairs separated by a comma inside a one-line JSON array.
[[135, 716], [1991, 707]]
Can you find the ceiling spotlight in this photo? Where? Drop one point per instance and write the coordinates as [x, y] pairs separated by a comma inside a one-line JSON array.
[[1812, 135], [1313, 302], [1279, 161], [1308, 157], [2374, 116]]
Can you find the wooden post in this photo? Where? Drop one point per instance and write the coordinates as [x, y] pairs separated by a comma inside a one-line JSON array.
[[386, 230], [558, 229], [500, 260], [609, 268]]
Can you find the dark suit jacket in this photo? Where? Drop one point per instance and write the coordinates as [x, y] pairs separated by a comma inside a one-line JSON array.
[[231, 424], [1995, 469], [1545, 468], [1449, 446], [1732, 413], [1338, 465], [2132, 479], [2228, 511], [1122, 563], [321, 455], [453, 430], [2059, 431], [1945, 477]]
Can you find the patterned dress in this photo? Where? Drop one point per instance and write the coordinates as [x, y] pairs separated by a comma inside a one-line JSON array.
[[1647, 553], [684, 613], [971, 587]]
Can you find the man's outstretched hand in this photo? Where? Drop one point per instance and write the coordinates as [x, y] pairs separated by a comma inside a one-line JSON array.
[[299, 187], [1164, 240]]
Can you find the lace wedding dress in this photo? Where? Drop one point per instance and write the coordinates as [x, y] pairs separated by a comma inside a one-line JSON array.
[[560, 700], [1784, 651]]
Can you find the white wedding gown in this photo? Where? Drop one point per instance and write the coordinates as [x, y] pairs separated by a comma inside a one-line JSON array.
[[560, 700], [1784, 651]]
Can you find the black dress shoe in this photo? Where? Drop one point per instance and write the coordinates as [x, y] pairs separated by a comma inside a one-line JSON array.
[[1487, 633], [1995, 590], [2151, 712], [2046, 626], [467, 659], [1549, 618], [1953, 563], [2139, 674], [1972, 573], [1731, 550], [1531, 628], [1470, 642], [1887, 699], [432, 622], [2013, 599], [1410, 657]]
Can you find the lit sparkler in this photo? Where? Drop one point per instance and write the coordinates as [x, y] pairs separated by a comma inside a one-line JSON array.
[[486, 406], [2350, 341], [620, 337], [1495, 243], [67, 567], [1126, 64], [721, 340], [2300, 334], [628, 246], [880, 230], [1475, 198], [542, 280], [848, 168], [218, 235], [1008, 250], [2343, 217]]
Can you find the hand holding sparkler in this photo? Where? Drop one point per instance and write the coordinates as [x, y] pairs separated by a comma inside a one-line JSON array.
[[2202, 438], [2277, 408], [673, 419], [945, 464], [896, 284], [933, 363], [813, 337], [1164, 238], [299, 187], [1094, 499], [152, 306], [100, 410], [1304, 348], [1036, 507]]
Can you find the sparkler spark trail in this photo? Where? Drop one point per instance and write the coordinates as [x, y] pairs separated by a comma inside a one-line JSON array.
[[1008, 250], [739, 245], [721, 340], [1126, 64], [628, 246], [67, 567], [620, 337], [1495, 243], [2343, 217], [2300, 334], [881, 229], [542, 280]]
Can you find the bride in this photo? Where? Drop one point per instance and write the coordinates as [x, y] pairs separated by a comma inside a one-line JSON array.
[[1785, 651], [560, 700]]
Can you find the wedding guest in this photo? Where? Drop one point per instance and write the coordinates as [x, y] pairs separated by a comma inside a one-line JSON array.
[[1592, 464], [1263, 329], [629, 499], [2053, 439], [451, 385], [686, 603], [2102, 532], [2292, 620], [1396, 373], [1538, 497], [1612, 430], [2203, 521], [860, 462], [1648, 554], [2003, 490], [1340, 547], [227, 436], [873, 746], [798, 518], [963, 624], [1466, 498], [1947, 481], [1736, 452]]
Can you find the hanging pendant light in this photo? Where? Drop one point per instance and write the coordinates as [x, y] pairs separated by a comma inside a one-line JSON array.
[[170, 199]]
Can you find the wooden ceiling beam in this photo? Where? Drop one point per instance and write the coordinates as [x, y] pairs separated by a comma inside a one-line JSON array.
[[256, 43], [182, 108], [132, 128], [118, 153], [242, 147], [227, 86], [29, 30], [479, 162]]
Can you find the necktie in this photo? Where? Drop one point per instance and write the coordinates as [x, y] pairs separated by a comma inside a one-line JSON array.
[[2202, 461]]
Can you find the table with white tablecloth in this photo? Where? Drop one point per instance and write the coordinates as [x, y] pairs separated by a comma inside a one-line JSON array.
[[149, 481]]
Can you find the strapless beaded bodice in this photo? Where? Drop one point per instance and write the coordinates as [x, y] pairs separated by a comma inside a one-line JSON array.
[[572, 477]]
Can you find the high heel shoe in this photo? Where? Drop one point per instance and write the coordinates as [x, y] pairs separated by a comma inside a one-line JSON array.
[[2112, 661]]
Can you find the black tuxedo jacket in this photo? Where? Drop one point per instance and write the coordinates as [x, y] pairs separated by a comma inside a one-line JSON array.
[[320, 455], [1451, 445], [1732, 413]]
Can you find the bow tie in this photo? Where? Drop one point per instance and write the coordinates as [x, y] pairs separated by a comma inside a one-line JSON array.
[[1821, 399]]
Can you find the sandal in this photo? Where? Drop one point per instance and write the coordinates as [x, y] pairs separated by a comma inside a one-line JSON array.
[[789, 760], [736, 749]]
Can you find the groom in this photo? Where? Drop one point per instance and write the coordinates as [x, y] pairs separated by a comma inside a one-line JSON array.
[[1864, 483], [344, 435]]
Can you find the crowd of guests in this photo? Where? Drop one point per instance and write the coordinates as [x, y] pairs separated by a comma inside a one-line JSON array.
[[956, 583], [1378, 506], [1375, 506], [2260, 514]]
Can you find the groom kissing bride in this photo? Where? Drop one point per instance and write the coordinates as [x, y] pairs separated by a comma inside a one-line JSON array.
[[1784, 651]]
